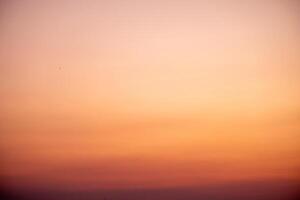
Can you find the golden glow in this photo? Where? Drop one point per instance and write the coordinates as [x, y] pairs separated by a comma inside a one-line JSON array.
[[107, 94]]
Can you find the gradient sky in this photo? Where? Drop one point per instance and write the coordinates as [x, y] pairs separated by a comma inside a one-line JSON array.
[[148, 94]]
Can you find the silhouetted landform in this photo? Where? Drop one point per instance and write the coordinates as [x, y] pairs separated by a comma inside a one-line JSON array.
[[262, 190]]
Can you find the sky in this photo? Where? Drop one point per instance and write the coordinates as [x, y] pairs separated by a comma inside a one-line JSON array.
[[122, 95]]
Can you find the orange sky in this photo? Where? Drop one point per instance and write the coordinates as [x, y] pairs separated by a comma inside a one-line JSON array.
[[110, 94]]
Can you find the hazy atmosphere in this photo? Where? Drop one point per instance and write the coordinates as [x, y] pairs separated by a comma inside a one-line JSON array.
[[149, 100]]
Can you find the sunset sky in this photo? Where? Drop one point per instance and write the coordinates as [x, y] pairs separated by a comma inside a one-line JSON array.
[[148, 94]]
